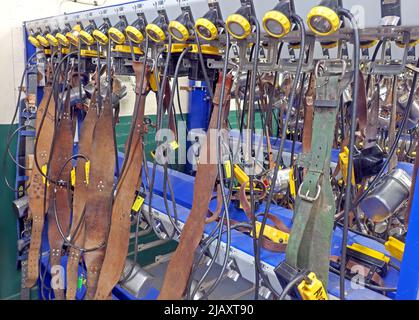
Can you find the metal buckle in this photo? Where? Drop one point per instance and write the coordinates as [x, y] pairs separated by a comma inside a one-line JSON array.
[[306, 196]]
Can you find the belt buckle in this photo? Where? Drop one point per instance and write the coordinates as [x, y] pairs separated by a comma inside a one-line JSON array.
[[307, 197]]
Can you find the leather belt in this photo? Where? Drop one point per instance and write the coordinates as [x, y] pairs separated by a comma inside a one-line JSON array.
[[179, 267], [37, 191], [60, 208], [130, 178], [77, 230], [99, 198]]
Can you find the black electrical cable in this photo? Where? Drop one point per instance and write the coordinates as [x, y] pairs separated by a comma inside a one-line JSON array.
[[366, 285], [160, 94], [300, 23], [296, 280], [166, 175], [348, 186], [374, 57], [251, 116], [205, 249]]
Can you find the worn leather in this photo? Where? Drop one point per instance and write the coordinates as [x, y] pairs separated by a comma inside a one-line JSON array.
[[79, 199], [62, 151], [99, 199], [130, 178], [37, 190], [308, 114], [278, 223], [180, 265]]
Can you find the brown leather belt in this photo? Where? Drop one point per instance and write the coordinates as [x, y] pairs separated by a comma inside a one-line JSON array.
[[60, 208], [130, 178], [278, 223], [99, 198], [37, 190], [179, 267], [77, 230]]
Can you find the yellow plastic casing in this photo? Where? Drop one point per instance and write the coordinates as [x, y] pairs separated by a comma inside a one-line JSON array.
[[242, 22], [100, 37], [312, 289], [134, 34], [152, 30], [240, 175], [116, 35], [35, 42], [368, 44], [180, 28], [343, 160], [279, 17], [326, 13], [73, 38], [272, 233], [395, 248], [126, 49], [205, 49], [86, 38], [211, 28], [62, 39], [52, 40], [369, 252], [43, 41]]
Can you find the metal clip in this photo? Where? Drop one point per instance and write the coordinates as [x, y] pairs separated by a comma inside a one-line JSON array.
[[306, 197]]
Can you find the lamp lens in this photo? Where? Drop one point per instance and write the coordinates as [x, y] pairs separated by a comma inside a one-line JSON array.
[[236, 28], [204, 32], [176, 33], [153, 34], [320, 24], [274, 27]]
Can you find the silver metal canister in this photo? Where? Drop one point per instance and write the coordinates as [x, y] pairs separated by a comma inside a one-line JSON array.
[[389, 194], [138, 281]]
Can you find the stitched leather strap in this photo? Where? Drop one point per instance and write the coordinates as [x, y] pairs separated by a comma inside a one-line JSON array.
[[37, 192], [99, 199], [79, 199], [62, 151], [118, 240], [179, 267]]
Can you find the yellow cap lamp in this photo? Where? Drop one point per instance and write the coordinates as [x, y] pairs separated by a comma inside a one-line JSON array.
[[156, 30], [134, 31], [277, 22], [180, 28], [42, 40], [34, 41], [115, 33], [323, 20], [62, 39], [238, 24], [100, 34], [86, 35], [206, 27], [52, 39], [73, 35]]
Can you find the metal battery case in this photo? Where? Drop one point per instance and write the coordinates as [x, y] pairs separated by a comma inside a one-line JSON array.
[[138, 281], [387, 196], [414, 110]]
